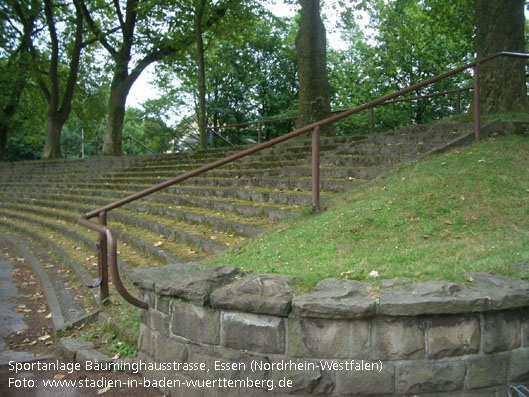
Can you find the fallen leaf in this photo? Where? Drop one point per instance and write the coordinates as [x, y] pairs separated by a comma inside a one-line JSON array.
[[44, 337], [58, 376], [481, 161], [374, 274], [448, 222], [158, 243], [101, 391], [471, 279], [49, 316]]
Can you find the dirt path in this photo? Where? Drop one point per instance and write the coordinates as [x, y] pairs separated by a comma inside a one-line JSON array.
[[27, 341]]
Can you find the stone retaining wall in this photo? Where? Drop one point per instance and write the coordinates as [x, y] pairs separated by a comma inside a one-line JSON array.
[[341, 339]]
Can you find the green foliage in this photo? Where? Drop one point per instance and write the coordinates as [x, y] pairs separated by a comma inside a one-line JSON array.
[[412, 41], [250, 72]]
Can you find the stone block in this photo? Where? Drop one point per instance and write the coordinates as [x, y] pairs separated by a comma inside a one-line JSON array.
[[145, 340], [432, 297], [486, 371], [70, 346], [430, 376], [196, 323], [259, 333], [308, 379], [501, 331], [519, 370], [397, 339], [163, 305], [167, 350], [162, 378], [525, 329], [259, 293], [340, 299], [453, 336], [321, 338], [158, 322], [372, 382], [502, 292], [185, 281], [149, 298]]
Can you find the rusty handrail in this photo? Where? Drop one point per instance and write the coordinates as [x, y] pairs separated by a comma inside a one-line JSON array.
[[260, 123], [132, 139], [107, 238]]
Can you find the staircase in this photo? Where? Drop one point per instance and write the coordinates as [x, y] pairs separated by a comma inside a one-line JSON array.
[[41, 201]]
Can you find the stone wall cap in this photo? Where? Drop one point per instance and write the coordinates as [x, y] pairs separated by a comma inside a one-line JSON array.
[[256, 293], [503, 292], [333, 298], [431, 297], [485, 292], [195, 286]]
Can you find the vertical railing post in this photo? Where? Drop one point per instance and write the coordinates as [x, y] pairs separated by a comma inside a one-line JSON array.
[[102, 260], [96, 145], [316, 170], [458, 103], [477, 111], [372, 119], [259, 132]]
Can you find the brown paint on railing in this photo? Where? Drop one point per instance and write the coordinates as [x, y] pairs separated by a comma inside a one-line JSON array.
[[316, 170], [111, 241], [113, 260]]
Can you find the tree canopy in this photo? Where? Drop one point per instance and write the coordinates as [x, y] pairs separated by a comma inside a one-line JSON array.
[[68, 67]]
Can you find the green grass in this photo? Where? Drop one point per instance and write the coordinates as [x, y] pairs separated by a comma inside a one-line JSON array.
[[466, 210]]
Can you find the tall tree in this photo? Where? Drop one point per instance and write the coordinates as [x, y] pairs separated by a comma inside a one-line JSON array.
[[200, 7], [135, 36], [314, 97], [500, 27], [59, 109], [15, 42], [62, 57]]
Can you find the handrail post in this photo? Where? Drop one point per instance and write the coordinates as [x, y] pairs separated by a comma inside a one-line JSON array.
[[102, 260], [316, 169], [259, 132], [372, 119], [477, 110], [458, 103]]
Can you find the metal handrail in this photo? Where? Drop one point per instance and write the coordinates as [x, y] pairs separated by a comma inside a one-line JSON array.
[[132, 139], [107, 242], [260, 123]]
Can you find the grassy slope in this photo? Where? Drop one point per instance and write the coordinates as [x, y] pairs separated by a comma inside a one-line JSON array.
[[465, 210]]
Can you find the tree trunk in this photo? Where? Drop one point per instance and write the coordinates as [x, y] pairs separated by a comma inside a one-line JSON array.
[[3, 140], [500, 27], [199, 14], [52, 147], [59, 112], [314, 97], [112, 145]]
